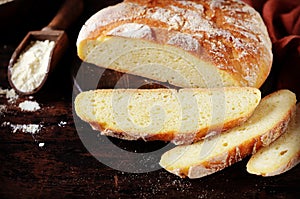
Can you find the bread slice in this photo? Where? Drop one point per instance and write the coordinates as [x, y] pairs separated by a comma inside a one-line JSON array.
[[181, 116], [196, 43], [205, 157], [281, 155]]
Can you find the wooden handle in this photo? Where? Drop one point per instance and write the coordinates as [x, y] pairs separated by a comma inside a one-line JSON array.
[[67, 15]]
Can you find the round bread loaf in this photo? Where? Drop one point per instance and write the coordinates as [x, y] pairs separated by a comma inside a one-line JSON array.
[[196, 43]]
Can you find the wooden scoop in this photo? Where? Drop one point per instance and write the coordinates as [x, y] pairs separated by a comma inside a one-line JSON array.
[[54, 31]]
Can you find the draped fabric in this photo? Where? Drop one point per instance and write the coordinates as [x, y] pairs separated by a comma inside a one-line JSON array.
[[282, 18]]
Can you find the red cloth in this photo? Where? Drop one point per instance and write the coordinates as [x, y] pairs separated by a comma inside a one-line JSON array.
[[282, 18]]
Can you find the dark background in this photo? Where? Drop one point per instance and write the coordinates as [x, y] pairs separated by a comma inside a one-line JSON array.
[[63, 168]]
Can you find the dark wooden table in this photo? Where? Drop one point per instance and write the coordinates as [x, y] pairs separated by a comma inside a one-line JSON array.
[[64, 168]]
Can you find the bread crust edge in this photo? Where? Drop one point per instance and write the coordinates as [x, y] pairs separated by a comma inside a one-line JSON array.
[[237, 153]]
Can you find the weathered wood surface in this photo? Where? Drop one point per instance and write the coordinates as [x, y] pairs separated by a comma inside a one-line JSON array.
[[64, 168]]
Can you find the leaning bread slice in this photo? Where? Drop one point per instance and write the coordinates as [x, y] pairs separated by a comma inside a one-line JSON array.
[[181, 116], [281, 155], [205, 157]]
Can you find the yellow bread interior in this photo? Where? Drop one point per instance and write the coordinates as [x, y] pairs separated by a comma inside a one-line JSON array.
[[210, 155], [143, 113], [281, 155], [163, 63]]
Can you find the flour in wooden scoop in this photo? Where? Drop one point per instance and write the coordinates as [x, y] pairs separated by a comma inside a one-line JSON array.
[[31, 67]]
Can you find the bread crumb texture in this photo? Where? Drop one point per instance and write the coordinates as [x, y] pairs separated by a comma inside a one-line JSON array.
[[164, 114], [281, 155], [205, 157]]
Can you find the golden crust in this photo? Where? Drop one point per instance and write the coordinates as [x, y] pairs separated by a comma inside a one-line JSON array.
[[289, 142], [173, 136], [228, 33], [237, 152]]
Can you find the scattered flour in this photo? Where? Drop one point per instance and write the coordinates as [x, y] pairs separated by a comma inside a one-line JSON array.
[[25, 128], [29, 106], [132, 30], [24, 106], [12, 97], [62, 124], [9, 94], [3, 92], [2, 109], [41, 144]]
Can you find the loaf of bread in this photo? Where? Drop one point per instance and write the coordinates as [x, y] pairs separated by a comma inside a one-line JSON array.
[[195, 43], [268, 122], [181, 116], [281, 155]]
